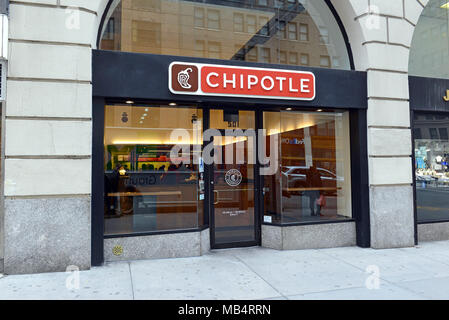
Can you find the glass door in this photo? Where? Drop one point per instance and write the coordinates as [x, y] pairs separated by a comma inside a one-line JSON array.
[[233, 190]]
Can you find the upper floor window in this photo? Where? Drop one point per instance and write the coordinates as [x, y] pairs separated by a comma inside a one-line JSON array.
[[255, 31], [199, 17]]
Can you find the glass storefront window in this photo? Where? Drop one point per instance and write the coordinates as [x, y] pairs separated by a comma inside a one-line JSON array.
[[248, 30], [144, 189], [313, 182], [432, 166], [429, 51]]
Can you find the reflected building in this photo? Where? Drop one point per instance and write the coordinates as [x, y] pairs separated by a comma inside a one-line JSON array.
[[279, 32]]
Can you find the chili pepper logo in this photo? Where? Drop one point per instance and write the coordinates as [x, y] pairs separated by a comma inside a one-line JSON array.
[[183, 78]]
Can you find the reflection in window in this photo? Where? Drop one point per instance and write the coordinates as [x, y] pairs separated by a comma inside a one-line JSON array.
[[293, 58], [314, 180], [200, 48], [304, 59], [251, 24], [325, 61], [214, 49], [199, 17], [324, 35], [303, 32], [213, 19], [430, 46], [145, 188], [172, 28], [266, 55], [283, 57], [264, 26], [431, 167], [292, 31], [238, 22]]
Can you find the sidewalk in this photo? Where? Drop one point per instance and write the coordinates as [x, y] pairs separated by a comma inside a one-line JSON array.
[[255, 273]]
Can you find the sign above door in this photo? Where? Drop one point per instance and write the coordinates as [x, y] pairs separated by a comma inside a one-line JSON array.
[[223, 80]]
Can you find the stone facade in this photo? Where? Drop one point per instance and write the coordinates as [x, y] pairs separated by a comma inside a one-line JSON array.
[[47, 126]]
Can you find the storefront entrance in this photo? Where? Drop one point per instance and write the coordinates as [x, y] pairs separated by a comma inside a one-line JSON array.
[[233, 189], [150, 192]]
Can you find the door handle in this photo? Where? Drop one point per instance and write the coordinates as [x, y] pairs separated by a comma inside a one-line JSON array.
[[215, 191]]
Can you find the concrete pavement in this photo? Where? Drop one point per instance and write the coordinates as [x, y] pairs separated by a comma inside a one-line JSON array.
[[254, 273]]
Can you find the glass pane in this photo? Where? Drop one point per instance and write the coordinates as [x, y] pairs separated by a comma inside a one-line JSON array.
[[429, 51], [314, 179], [432, 167], [220, 119], [232, 30], [146, 187], [234, 189]]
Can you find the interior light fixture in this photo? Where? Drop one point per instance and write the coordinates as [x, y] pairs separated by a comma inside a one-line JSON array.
[[320, 110], [146, 109], [172, 104], [145, 114], [445, 6], [289, 109], [129, 101]]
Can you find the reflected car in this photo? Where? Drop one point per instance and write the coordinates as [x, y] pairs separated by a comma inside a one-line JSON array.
[[295, 177]]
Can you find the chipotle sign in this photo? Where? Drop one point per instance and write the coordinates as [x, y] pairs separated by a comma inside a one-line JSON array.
[[221, 80]]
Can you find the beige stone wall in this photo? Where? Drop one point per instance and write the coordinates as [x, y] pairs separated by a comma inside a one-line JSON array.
[[48, 134], [380, 33]]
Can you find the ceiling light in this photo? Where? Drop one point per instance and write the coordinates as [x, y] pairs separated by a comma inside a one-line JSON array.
[[145, 114], [320, 110], [129, 101], [140, 121], [146, 109], [289, 109], [172, 104]]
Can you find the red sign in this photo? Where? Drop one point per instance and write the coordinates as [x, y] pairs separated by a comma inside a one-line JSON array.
[[220, 80]]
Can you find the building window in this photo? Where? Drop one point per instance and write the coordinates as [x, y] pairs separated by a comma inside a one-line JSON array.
[[433, 133], [200, 48], [251, 24], [238, 22], [252, 55], [144, 190], [214, 50], [305, 59], [293, 58], [292, 29], [213, 19], [324, 35], [262, 3], [264, 26], [282, 57], [199, 17], [109, 32], [282, 29], [304, 32], [431, 143], [265, 55], [325, 61], [314, 180]]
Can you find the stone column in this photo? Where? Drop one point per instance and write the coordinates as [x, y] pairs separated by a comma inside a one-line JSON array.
[[48, 134], [380, 33]]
